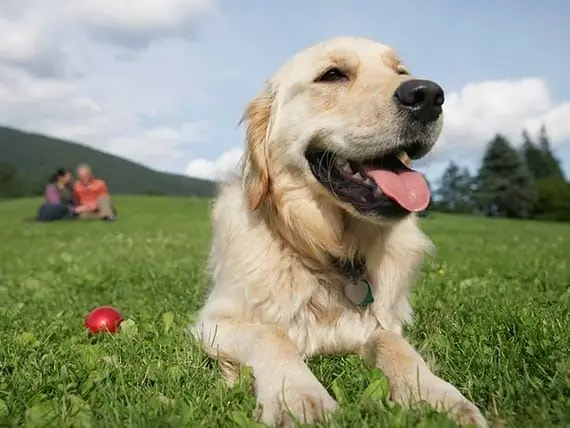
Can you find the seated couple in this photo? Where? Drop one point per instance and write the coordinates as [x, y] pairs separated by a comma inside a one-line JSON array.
[[86, 198]]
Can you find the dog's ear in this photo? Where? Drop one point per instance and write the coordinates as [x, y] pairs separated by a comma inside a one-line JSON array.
[[256, 176]]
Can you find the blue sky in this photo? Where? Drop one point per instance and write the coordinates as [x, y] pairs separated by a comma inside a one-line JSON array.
[[165, 82]]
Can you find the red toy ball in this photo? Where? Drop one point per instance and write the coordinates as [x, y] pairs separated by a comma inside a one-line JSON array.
[[104, 319]]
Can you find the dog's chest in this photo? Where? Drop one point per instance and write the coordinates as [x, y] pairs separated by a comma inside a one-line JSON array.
[[318, 316]]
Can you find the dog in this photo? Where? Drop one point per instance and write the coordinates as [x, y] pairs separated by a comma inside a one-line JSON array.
[[316, 241]]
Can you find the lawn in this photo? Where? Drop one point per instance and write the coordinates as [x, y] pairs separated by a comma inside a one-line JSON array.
[[492, 308]]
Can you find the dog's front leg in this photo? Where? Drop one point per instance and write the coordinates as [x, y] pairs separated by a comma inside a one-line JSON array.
[[284, 384], [412, 381]]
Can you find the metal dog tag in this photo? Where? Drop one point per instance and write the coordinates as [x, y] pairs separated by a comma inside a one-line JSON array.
[[359, 292]]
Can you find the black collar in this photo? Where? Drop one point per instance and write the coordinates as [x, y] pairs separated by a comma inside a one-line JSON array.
[[353, 269]]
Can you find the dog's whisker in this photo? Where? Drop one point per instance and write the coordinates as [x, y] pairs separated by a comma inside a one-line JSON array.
[[332, 162]]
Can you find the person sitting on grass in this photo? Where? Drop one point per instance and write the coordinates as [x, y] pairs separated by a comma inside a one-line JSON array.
[[92, 195], [59, 203]]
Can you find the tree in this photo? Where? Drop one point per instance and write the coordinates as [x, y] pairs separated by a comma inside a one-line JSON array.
[[553, 170], [455, 191], [505, 183], [554, 200], [540, 159], [536, 162], [12, 183]]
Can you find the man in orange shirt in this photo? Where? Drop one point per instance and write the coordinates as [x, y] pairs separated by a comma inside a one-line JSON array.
[[93, 199]]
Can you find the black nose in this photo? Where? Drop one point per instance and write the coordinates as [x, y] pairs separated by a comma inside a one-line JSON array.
[[422, 98]]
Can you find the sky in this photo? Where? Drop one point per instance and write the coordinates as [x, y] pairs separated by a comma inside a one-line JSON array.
[[165, 82]]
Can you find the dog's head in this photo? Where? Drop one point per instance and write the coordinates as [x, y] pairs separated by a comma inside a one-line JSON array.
[[345, 117]]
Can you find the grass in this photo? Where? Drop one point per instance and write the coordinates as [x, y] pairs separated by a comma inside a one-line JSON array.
[[492, 308]]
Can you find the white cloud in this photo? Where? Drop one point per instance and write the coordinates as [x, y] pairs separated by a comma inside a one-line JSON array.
[[27, 39], [43, 37], [20, 42], [33, 102], [159, 146], [120, 105], [64, 109], [473, 116], [480, 110], [30, 25], [136, 23], [218, 169]]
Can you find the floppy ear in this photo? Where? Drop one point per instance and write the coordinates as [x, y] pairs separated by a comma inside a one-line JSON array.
[[256, 167]]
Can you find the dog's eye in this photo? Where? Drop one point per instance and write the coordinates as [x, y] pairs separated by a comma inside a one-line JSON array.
[[332, 75], [402, 71]]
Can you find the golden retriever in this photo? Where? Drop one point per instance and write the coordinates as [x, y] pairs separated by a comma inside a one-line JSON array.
[[316, 243]]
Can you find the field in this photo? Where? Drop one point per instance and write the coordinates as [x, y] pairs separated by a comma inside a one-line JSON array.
[[492, 308]]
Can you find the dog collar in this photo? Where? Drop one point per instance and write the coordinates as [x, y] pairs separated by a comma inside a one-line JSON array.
[[359, 292]]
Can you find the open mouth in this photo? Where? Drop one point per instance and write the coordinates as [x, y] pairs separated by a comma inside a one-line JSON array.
[[385, 186]]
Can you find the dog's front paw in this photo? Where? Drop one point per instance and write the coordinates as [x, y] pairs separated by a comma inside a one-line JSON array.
[[307, 402], [466, 413], [443, 397]]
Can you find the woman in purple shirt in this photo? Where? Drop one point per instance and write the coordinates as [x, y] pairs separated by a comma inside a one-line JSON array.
[[59, 201]]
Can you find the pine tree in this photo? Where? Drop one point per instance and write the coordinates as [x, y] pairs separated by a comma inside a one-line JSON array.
[[455, 192], [534, 157], [543, 140], [505, 182], [553, 170]]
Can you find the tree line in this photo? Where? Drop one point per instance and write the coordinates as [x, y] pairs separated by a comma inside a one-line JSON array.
[[15, 184], [526, 183]]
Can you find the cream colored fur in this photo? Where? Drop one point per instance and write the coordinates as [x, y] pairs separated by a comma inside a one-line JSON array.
[[275, 298]]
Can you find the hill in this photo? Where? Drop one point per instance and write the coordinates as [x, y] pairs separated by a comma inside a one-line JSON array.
[[36, 156]]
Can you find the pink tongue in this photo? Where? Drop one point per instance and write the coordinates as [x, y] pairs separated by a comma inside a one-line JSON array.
[[407, 187]]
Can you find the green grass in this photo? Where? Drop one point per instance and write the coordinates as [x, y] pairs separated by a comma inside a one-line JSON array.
[[492, 308]]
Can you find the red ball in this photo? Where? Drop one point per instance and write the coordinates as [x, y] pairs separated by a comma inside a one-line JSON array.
[[104, 319]]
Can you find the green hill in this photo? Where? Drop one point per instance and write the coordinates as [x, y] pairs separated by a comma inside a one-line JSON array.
[[37, 156]]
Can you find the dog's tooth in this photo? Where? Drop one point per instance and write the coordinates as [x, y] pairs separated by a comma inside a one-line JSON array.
[[340, 161], [404, 158], [347, 168], [358, 177], [369, 182]]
